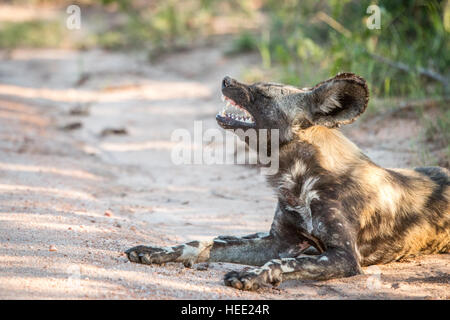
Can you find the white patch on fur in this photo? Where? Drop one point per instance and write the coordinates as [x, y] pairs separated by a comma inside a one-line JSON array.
[[189, 252], [306, 196], [265, 267], [298, 169], [275, 261], [285, 268], [324, 258], [289, 180], [256, 271], [192, 253], [168, 249]]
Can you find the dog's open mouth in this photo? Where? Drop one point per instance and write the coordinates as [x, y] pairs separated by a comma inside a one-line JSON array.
[[234, 116]]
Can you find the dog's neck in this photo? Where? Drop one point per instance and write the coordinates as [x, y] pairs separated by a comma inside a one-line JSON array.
[[335, 153]]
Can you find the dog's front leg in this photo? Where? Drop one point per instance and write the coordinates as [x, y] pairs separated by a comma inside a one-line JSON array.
[[333, 263], [339, 258], [255, 249]]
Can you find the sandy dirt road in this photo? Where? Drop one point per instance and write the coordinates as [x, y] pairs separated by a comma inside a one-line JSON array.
[[74, 195]]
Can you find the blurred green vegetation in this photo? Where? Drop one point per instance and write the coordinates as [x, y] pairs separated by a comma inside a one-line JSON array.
[[169, 24], [32, 34], [333, 36], [311, 39]]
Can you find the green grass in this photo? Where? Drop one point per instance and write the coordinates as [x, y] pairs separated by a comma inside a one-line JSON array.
[[243, 43], [31, 34]]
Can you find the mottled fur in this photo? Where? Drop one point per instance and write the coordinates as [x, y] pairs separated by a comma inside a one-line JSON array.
[[337, 210]]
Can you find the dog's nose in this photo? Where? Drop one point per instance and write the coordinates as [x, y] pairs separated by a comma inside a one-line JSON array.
[[226, 82]]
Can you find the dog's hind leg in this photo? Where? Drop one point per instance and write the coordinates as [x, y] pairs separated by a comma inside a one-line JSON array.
[[255, 249]]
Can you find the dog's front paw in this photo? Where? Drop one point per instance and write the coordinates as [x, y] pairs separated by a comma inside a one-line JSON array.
[[151, 255], [251, 279]]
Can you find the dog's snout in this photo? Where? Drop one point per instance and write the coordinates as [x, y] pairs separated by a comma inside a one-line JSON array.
[[226, 82]]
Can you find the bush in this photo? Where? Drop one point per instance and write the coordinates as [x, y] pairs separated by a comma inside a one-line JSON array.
[[333, 36]]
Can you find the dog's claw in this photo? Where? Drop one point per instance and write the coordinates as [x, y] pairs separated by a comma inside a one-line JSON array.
[[132, 256], [245, 280], [150, 255], [145, 258], [236, 284]]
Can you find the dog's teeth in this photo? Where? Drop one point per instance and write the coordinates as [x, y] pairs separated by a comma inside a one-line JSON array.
[[234, 111]]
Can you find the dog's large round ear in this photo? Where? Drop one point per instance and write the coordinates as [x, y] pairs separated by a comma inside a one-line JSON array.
[[336, 101]]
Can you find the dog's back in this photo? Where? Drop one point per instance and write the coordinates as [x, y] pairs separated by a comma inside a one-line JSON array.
[[406, 214]]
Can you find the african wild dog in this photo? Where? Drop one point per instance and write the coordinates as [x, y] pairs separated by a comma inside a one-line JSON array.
[[337, 210]]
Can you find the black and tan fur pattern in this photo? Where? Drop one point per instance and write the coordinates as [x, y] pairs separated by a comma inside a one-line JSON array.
[[337, 210]]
